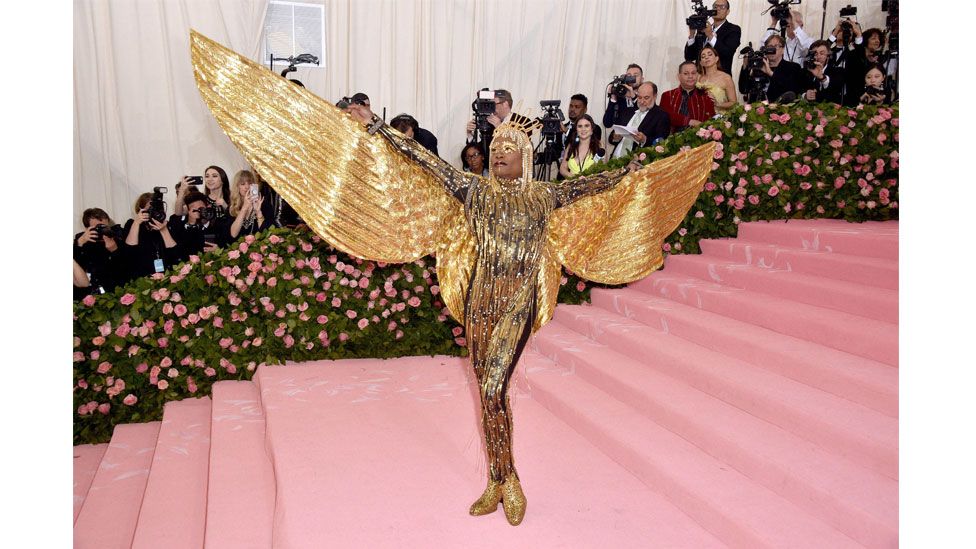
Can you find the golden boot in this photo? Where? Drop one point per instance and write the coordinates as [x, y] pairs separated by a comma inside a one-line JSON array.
[[488, 502], [513, 500]]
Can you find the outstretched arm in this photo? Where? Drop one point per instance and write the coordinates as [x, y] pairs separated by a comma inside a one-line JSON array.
[[568, 191], [455, 181]]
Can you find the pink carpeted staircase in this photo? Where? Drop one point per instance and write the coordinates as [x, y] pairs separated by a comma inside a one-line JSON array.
[[745, 397]]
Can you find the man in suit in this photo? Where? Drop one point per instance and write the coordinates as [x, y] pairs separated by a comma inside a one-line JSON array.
[[651, 121], [409, 126], [687, 105], [503, 113], [721, 35], [781, 76], [826, 80]]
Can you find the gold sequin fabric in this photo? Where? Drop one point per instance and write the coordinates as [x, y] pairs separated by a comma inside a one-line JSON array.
[[499, 242]]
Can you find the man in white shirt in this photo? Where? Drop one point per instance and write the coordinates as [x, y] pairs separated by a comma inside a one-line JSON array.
[[797, 40]]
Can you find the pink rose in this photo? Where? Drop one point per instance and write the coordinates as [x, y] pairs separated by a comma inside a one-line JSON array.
[[180, 309], [104, 367], [461, 342], [162, 385], [162, 342], [128, 299], [98, 340], [130, 399], [362, 323], [88, 301], [104, 408], [289, 340], [343, 336], [773, 191], [257, 342], [414, 301], [322, 319]]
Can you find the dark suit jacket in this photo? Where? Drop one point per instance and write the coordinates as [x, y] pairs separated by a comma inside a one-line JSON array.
[[655, 125], [787, 76], [727, 39], [426, 139]]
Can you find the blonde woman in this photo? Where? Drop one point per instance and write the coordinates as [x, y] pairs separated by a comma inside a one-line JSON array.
[[247, 206], [715, 81]]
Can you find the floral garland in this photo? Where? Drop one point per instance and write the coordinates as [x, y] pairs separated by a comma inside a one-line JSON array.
[[287, 296]]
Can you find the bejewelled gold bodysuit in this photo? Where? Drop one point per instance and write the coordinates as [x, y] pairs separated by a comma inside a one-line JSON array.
[[499, 243]]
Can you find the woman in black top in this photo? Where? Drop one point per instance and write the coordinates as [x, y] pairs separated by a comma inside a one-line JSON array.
[[249, 211], [149, 246]]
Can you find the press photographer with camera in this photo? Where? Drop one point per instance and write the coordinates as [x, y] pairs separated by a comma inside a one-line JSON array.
[[651, 123], [216, 187], [721, 34], [687, 105], [149, 246], [195, 232], [487, 119], [826, 80], [98, 253], [250, 211], [622, 99], [860, 57], [778, 77], [797, 40]]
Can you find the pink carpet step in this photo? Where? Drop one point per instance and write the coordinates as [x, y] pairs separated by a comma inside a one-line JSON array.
[[869, 239], [865, 337], [870, 383], [870, 271], [727, 503], [109, 515], [241, 490], [861, 435], [857, 501], [373, 453], [174, 506], [857, 299], [86, 458]]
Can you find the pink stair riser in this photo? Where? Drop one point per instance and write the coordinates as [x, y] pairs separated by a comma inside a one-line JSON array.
[[870, 239]]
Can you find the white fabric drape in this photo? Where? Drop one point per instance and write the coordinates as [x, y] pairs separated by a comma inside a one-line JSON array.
[[139, 121]]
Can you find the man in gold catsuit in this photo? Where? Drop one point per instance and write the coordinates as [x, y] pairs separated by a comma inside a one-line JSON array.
[[507, 213]]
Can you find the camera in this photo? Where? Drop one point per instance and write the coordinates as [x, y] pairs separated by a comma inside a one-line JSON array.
[[700, 18], [874, 90], [617, 85], [810, 61], [755, 59], [157, 206], [781, 10], [211, 212], [483, 107], [103, 230], [551, 117]]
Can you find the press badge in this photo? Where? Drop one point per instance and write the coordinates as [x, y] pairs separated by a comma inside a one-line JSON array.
[[158, 265]]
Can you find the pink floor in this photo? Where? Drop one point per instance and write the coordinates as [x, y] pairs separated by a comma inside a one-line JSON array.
[[746, 397]]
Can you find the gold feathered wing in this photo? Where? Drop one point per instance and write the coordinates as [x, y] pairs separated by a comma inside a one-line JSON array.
[[352, 188], [616, 237]]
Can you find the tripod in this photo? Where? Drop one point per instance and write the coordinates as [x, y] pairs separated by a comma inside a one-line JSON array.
[[546, 152]]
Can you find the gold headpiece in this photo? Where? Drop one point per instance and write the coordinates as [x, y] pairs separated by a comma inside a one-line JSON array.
[[518, 132]]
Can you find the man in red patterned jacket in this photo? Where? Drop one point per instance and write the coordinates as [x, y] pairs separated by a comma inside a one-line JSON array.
[[687, 105]]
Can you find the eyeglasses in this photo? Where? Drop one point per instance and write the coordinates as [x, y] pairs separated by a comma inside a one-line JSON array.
[[720, 7], [473, 154]]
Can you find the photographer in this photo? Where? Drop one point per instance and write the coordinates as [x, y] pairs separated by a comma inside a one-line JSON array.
[[652, 124], [622, 97], [859, 59], [97, 252], [426, 139], [149, 246], [780, 76], [798, 41], [250, 210], [720, 34], [503, 113], [826, 80], [687, 105], [190, 230]]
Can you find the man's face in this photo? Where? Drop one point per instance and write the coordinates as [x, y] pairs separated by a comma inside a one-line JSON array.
[[820, 55], [506, 159], [636, 73], [688, 76], [94, 222], [576, 109], [194, 211], [775, 58], [722, 9], [502, 108], [645, 97]]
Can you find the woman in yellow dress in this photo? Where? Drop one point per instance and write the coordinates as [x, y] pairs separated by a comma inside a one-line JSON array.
[[714, 80], [583, 149], [499, 240]]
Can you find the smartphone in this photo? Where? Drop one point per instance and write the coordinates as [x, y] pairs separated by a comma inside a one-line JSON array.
[[254, 192], [195, 179]]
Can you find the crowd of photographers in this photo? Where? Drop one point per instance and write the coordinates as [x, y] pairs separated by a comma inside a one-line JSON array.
[[850, 67]]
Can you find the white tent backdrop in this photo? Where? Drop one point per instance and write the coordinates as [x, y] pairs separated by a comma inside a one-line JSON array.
[[139, 121]]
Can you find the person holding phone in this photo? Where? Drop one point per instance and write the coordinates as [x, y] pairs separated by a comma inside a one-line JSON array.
[[247, 207], [216, 189]]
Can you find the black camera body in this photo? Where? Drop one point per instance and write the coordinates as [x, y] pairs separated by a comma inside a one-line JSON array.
[[552, 117], [157, 206], [211, 212], [810, 61], [102, 230], [700, 18], [617, 85], [755, 60], [483, 106]]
